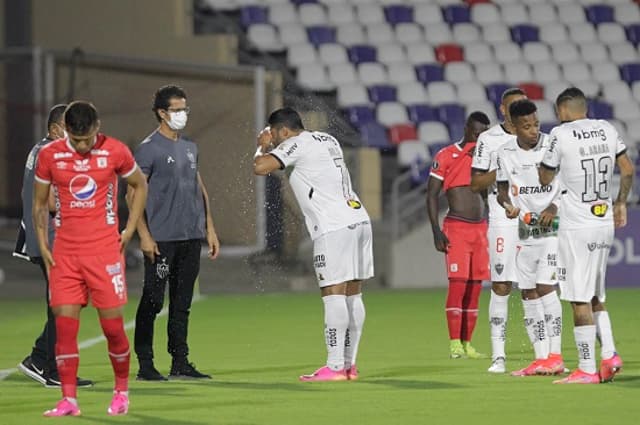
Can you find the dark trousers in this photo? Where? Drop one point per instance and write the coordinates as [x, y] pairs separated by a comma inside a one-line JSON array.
[[43, 353], [177, 265]]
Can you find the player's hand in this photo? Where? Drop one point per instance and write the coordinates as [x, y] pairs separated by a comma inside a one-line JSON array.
[[214, 244], [149, 248], [547, 215], [511, 211], [440, 240], [47, 258], [264, 138], [620, 214], [125, 238]]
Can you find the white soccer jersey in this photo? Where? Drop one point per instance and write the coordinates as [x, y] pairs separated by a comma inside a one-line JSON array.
[[586, 152], [321, 183], [484, 159]]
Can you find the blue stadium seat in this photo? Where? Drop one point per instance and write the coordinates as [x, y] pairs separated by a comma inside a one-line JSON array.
[[321, 35], [546, 127], [299, 2], [374, 135], [600, 109], [524, 33], [421, 113], [360, 115], [630, 72], [494, 92], [456, 131], [633, 33], [398, 14], [599, 13], [434, 148], [427, 73], [456, 14], [361, 53], [451, 113], [250, 15], [382, 93]]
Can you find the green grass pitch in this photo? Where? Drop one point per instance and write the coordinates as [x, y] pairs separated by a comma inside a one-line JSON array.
[[257, 345]]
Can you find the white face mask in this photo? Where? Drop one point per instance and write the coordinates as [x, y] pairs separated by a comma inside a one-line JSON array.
[[178, 120]]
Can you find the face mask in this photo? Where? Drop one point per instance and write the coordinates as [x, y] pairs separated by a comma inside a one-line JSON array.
[[178, 120]]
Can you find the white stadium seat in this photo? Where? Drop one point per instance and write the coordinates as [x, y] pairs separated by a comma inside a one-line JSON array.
[[471, 91], [369, 13], [282, 13], [372, 73], [517, 72], [604, 72], [553, 33], [438, 33], [593, 52], [292, 33], [576, 73], [616, 91], [478, 52], [627, 13], [427, 14], [489, 72], [332, 53], [496, 33], [410, 93], [536, 52], [582, 32], [515, 13], [314, 77], [350, 34], [433, 132], [546, 111], [611, 33], [485, 13], [391, 113], [311, 14], [458, 72], [570, 13], [411, 151], [340, 13], [352, 95], [301, 54], [379, 33], [542, 13], [419, 53], [546, 72], [465, 33], [401, 72], [565, 52], [407, 33], [342, 73], [507, 52], [265, 37], [621, 53], [391, 53], [440, 92]]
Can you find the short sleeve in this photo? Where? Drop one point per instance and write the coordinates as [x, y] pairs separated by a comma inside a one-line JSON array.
[[502, 175], [144, 158], [126, 164], [481, 156], [620, 146], [43, 167], [551, 158], [438, 166], [288, 152]]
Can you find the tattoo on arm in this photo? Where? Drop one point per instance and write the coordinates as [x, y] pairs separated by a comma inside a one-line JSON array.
[[625, 187]]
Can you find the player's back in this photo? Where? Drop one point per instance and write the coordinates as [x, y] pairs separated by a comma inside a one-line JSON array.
[[587, 151]]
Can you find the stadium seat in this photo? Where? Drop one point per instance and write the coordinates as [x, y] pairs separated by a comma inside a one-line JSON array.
[[412, 151], [314, 77], [546, 127], [391, 113], [576, 73], [427, 14], [516, 72], [630, 72], [626, 13], [471, 91], [456, 13], [484, 106], [374, 135], [436, 34], [420, 113], [301, 2], [451, 114], [542, 13], [507, 52], [496, 33], [635, 91], [599, 109], [571, 13], [407, 33], [554, 88], [514, 14], [465, 33], [250, 15], [604, 72], [626, 110], [633, 33], [476, 2], [546, 110], [282, 13], [616, 91], [433, 132], [420, 53], [611, 33], [401, 72], [533, 90], [391, 53], [369, 13], [379, 33], [436, 147], [565, 52], [582, 33], [370, 73], [312, 14], [301, 54], [621, 53], [398, 14], [449, 52], [350, 34], [440, 92], [332, 54], [412, 92], [553, 33], [340, 13], [478, 52], [546, 72], [402, 132], [524, 33], [494, 92], [292, 33], [489, 73], [458, 72], [359, 115], [428, 73], [342, 73], [264, 37], [382, 93], [321, 35], [487, 13], [593, 52], [362, 53], [536, 52], [352, 94], [599, 13]]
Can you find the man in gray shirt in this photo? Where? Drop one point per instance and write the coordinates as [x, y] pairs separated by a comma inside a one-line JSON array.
[[40, 365], [178, 217]]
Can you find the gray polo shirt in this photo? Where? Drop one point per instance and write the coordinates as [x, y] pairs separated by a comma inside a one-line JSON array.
[[175, 204], [27, 242]]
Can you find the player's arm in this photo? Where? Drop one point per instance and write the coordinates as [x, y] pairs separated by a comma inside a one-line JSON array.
[[263, 162], [505, 200], [40, 213], [433, 206], [136, 202], [212, 237], [481, 179], [626, 181], [546, 174]]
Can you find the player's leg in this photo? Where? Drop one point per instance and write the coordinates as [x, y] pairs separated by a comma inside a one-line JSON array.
[[610, 363], [186, 267], [156, 274], [357, 314]]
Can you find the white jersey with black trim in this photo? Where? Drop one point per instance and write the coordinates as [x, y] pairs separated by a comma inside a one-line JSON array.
[[485, 159], [586, 151], [321, 183]]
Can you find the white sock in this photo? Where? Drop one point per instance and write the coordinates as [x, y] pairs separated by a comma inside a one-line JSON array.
[[604, 333], [498, 309], [336, 321], [536, 327], [72, 400], [586, 342], [354, 331], [553, 319]]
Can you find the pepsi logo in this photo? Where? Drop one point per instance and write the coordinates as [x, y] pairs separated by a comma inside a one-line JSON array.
[[83, 187]]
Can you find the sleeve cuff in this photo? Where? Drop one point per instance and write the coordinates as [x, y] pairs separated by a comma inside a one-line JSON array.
[[436, 176], [41, 180], [282, 165], [482, 170], [548, 167], [127, 174], [622, 152]]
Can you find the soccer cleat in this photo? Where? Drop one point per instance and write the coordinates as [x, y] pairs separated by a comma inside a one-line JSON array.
[[610, 367], [471, 352], [32, 371], [149, 373], [119, 404], [456, 350], [579, 377], [352, 373], [53, 381], [498, 366], [537, 367], [63, 408], [325, 374], [555, 364], [186, 370]]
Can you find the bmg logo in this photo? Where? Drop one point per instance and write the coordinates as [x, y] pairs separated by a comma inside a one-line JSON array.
[[590, 134]]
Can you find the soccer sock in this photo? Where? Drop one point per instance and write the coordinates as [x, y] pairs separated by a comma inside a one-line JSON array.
[[553, 319], [336, 322], [605, 333], [453, 307], [118, 346], [470, 308], [536, 327], [357, 314], [498, 309], [67, 359], [585, 342]]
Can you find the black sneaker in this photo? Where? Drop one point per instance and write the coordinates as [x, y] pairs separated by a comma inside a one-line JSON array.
[[32, 371], [150, 373], [186, 370], [53, 381]]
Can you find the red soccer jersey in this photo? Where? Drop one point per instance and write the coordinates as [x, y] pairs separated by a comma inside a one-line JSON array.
[[452, 165], [86, 191]]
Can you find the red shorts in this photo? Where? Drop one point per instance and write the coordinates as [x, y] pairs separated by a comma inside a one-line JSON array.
[[468, 254], [74, 279]]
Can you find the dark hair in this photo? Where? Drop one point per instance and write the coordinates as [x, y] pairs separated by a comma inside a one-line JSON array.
[[163, 96], [480, 117], [511, 92], [521, 108], [571, 93], [56, 113], [286, 117], [80, 117]]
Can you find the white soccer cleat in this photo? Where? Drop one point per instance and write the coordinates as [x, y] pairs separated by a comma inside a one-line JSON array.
[[498, 366]]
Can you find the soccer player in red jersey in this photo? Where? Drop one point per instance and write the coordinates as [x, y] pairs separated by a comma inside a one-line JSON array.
[[87, 257], [463, 237]]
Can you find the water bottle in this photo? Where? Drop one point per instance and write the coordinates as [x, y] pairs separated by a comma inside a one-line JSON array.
[[532, 219]]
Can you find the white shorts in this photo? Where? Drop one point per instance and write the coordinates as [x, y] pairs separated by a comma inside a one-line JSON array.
[[503, 242], [344, 255], [536, 262], [582, 262]]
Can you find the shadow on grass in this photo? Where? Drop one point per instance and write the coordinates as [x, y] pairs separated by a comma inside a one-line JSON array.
[[137, 418], [411, 384]]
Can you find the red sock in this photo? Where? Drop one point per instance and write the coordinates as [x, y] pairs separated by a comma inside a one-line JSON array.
[[118, 346], [454, 307], [67, 359], [470, 308]]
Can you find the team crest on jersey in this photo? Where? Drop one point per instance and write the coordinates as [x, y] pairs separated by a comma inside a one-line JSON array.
[[162, 269], [61, 165], [453, 267], [499, 268], [599, 210], [102, 162]]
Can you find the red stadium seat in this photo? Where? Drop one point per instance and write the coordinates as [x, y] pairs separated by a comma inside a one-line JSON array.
[[534, 91], [472, 2], [401, 132], [449, 52]]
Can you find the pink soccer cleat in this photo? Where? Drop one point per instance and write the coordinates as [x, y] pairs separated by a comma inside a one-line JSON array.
[[119, 405], [352, 373], [610, 367], [537, 367], [325, 374], [63, 408], [579, 377], [555, 364]]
